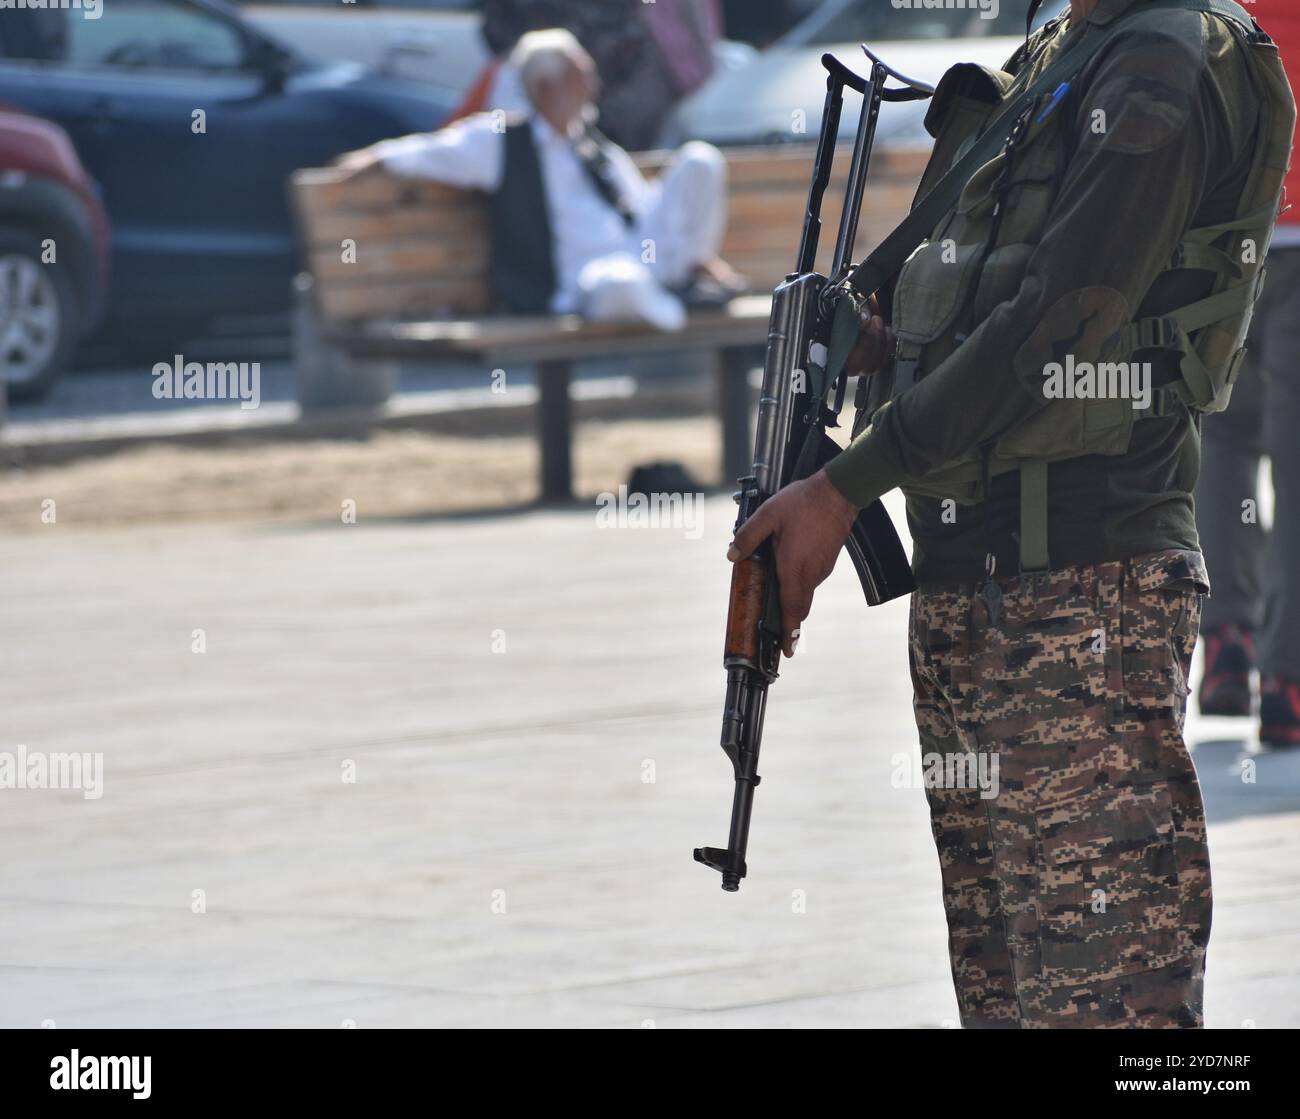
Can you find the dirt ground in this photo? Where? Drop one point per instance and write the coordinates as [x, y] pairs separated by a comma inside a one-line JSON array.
[[390, 474]]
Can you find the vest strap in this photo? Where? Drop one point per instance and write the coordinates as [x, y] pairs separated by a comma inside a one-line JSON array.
[[1226, 304], [1197, 380], [845, 324], [907, 364], [1199, 257], [1166, 401], [1173, 332], [1256, 219]]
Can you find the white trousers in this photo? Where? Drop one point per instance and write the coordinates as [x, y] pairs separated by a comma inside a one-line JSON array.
[[682, 227], [687, 221]]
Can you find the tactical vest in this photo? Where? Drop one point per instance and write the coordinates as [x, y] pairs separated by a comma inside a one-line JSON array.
[[978, 255]]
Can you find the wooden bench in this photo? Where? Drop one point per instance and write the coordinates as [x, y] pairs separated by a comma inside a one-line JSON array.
[[414, 282]]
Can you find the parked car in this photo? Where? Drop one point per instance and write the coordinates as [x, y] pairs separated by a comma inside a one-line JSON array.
[[757, 103], [436, 42], [191, 122], [53, 254], [760, 25]]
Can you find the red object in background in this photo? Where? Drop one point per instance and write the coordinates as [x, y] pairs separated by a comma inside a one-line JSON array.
[[475, 101], [39, 169], [1281, 19]]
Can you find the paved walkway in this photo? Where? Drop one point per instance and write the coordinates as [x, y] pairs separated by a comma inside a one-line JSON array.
[[516, 846], [103, 409]]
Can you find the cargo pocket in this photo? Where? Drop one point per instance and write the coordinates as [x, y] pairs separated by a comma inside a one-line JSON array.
[[932, 290], [1039, 681], [1160, 625], [1108, 894]]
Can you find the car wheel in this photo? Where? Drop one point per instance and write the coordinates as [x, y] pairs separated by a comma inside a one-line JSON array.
[[38, 317]]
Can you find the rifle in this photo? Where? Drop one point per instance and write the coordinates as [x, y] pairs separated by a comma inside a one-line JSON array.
[[804, 383]]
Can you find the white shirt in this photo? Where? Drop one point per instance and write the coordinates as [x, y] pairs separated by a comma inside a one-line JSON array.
[[584, 227]]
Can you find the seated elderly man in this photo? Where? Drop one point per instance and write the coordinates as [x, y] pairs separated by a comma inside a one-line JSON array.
[[574, 226]]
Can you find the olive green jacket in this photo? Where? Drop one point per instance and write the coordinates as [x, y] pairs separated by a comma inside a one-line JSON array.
[[1179, 110]]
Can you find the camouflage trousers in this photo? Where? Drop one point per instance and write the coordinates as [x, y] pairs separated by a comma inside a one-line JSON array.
[[1078, 895]]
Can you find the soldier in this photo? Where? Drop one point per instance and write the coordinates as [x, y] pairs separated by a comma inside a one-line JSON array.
[[1057, 338]]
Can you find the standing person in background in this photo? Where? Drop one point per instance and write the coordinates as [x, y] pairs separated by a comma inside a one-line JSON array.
[[610, 31], [648, 56], [682, 36], [1253, 619]]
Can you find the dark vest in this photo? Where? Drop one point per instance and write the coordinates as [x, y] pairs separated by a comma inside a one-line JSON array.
[[521, 253]]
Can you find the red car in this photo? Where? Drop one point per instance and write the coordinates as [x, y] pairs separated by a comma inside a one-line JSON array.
[[53, 254]]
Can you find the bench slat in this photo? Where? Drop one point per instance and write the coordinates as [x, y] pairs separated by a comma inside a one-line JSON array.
[[742, 322], [374, 298]]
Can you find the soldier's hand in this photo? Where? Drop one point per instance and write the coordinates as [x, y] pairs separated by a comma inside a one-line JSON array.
[[875, 344], [808, 522]]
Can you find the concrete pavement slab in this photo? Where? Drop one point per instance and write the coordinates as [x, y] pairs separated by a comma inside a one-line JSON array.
[[450, 772]]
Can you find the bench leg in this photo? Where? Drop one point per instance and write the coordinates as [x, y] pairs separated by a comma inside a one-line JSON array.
[[734, 402], [325, 376], [555, 430]]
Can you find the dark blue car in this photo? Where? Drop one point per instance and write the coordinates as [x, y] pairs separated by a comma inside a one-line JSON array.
[[191, 123]]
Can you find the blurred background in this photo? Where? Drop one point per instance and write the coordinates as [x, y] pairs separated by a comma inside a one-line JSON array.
[[234, 603], [185, 240], [157, 140]]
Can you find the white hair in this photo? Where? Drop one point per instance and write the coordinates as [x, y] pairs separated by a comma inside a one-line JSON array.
[[543, 55]]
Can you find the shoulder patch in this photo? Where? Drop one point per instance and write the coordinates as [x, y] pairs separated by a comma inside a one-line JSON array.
[[1143, 89]]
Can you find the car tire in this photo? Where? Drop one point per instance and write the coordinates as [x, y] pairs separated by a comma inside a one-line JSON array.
[[39, 317]]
